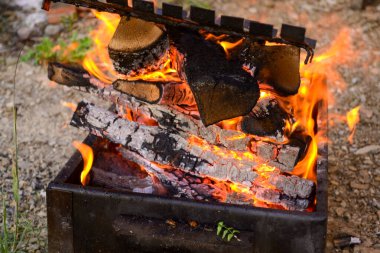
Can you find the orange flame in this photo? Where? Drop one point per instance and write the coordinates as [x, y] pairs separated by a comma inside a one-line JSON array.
[[353, 118], [227, 46], [313, 95], [97, 61], [88, 158]]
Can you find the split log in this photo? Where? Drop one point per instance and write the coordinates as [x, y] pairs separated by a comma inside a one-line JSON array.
[[222, 89], [157, 92], [170, 118], [137, 44], [276, 65], [171, 148]]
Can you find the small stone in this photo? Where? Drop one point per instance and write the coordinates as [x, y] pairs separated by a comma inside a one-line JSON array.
[[52, 30], [368, 149], [24, 33], [358, 186], [339, 211]]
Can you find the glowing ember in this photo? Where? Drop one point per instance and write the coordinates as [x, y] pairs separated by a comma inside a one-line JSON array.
[[88, 158], [353, 118]]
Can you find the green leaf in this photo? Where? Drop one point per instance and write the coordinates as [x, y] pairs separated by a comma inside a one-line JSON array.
[[218, 230], [225, 232], [229, 237]]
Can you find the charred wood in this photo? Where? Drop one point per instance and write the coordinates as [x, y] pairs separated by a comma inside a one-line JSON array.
[[276, 65], [170, 148], [170, 118], [222, 89], [265, 119], [137, 44], [68, 75]]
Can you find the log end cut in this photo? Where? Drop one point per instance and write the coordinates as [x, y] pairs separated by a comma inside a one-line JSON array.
[[137, 44], [146, 91]]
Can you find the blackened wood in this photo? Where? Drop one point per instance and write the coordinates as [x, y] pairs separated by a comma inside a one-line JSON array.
[[194, 187], [266, 119], [69, 75], [170, 148], [277, 66], [170, 118], [157, 92], [222, 89], [137, 44]]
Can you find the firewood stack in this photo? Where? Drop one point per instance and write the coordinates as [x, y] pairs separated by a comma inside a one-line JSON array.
[[174, 129]]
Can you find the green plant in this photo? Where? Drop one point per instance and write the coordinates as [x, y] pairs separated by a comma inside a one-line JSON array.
[[13, 235], [225, 232], [68, 21], [71, 50]]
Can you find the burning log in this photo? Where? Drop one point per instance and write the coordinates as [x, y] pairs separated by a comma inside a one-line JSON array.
[[168, 117], [157, 92], [265, 119], [68, 75], [171, 148], [222, 89], [137, 44], [194, 187], [276, 65]]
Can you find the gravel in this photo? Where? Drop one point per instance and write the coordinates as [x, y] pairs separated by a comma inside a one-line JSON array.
[[354, 169]]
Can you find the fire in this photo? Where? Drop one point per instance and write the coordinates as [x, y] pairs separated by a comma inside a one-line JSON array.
[[165, 72], [230, 124], [227, 46], [353, 118], [98, 63], [88, 158], [313, 96]]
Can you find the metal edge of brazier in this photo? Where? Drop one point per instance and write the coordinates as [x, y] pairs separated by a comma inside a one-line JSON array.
[[91, 219]]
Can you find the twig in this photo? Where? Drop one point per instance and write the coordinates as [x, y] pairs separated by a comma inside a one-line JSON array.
[[15, 178]]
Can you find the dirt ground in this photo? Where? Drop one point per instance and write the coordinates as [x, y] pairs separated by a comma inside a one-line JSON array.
[[354, 169]]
